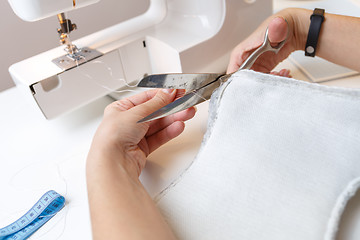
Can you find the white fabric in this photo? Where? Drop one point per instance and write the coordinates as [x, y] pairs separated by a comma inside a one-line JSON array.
[[280, 159]]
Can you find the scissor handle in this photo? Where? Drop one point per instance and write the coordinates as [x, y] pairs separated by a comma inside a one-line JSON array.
[[266, 46]]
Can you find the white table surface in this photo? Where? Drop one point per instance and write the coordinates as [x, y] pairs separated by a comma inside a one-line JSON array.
[[38, 155]]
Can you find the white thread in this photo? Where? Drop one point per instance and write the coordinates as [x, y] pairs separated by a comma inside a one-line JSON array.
[[62, 178], [64, 214], [16, 181], [106, 66], [109, 70], [199, 95]]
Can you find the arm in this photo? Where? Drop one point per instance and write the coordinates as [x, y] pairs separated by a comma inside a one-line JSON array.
[[336, 41], [120, 207]]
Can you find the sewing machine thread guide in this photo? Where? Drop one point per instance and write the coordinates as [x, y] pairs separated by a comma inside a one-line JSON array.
[[44, 209]]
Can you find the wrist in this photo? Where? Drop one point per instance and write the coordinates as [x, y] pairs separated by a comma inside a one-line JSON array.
[[301, 23], [105, 160]]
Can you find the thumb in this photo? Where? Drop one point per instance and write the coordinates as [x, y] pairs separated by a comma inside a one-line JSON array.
[[162, 98], [278, 29]]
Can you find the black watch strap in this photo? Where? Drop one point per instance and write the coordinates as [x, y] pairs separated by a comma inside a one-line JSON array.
[[316, 20]]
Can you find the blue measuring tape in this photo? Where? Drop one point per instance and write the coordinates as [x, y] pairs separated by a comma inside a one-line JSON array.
[[47, 206]]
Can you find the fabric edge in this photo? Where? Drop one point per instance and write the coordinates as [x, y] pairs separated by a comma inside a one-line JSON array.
[[339, 208], [214, 104]]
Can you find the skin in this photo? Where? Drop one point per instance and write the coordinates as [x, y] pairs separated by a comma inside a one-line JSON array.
[[336, 42], [120, 207]]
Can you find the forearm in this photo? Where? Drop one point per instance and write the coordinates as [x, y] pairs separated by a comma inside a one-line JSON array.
[[337, 40], [120, 207]]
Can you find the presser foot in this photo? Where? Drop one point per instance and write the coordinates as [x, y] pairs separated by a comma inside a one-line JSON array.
[[77, 58]]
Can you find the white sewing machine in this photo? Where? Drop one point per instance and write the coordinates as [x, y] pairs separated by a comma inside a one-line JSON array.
[[171, 36]]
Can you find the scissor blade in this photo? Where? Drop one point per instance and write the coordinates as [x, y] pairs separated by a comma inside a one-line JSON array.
[[188, 100], [178, 80]]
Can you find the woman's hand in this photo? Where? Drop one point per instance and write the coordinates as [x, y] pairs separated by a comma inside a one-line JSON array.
[[120, 207], [279, 29], [120, 138]]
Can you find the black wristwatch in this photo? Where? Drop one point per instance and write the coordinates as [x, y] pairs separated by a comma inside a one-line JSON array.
[[316, 20]]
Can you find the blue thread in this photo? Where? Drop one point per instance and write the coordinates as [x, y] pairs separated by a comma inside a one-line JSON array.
[[47, 206]]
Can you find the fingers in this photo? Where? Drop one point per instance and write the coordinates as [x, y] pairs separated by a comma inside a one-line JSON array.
[[165, 135], [278, 30], [179, 93], [240, 53], [232, 67], [132, 101], [162, 98], [282, 73], [156, 96], [159, 124]]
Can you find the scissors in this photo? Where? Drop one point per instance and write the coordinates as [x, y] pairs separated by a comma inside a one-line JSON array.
[[199, 87]]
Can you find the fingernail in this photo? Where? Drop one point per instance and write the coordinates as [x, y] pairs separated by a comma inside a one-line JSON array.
[[281, 17], [168, 91]]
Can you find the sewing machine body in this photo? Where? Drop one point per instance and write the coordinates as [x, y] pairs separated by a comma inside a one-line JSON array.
[[171, 36]]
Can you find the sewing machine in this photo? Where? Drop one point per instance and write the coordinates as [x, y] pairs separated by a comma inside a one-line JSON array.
[[171, 36]]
